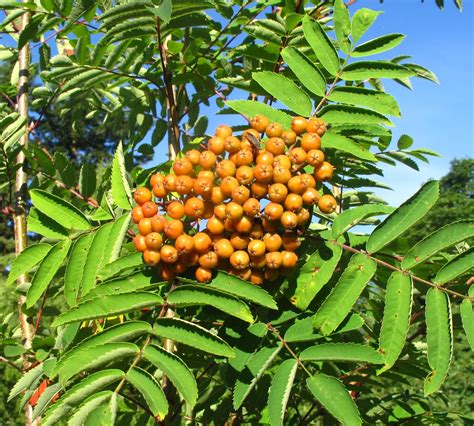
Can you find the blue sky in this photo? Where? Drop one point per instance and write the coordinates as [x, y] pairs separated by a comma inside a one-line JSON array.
[[438, 117]]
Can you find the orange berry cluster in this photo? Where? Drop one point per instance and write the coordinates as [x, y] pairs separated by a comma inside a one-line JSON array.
[[252, 194]]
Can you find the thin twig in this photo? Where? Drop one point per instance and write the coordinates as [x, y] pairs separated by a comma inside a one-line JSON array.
[[394, 268], [7, 361]]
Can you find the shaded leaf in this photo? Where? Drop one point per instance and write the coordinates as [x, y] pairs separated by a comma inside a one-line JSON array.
[[78, 393], [467, 318], [87, 180], [117, 333], [44, 400], [176, 370], [93, 357], [255, 368], [335, 398], [88, 406], [347, 352], [25, 381], [280, 391], [150, 390]]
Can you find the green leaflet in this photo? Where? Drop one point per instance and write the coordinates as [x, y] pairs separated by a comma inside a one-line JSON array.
[[347, 352], [242, 289], [306, 72], [190, 295], [46, 271], [301, 331], [150, 390], [129, 284], [284, 90], [315, 273], [321, 45], [88, 406], [335, 398], [130, 261], [361, 22], [280, 391], [44, 225], [456, 267], [59, 210], [396, 318], [351, 217], [75, 268], [192, 335], [467, 318], [378, 45], [364, 70], [377, 101], [351, 114], [255, 368], [253, 108], [410, 212], [120, 188], [106, 306], [342, 25], [439, 335], [26, 260], [343, 143], [176, 370], [116, 236], [78, 393], [95, 257], [442, 238], [92, 357], [117, 333], [45, 399], [345, 293], [25, 381]]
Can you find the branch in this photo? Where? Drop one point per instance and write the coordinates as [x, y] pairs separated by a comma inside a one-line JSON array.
[[394, 268], [21, 193], [7, 361], [173, 133]]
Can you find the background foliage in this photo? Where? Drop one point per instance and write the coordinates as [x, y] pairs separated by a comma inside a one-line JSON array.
[[110, 72]]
